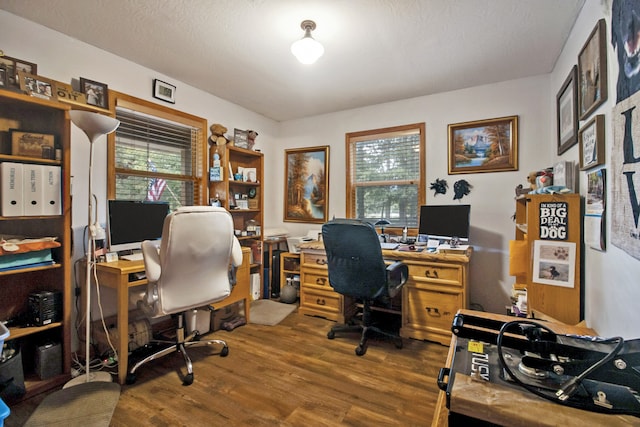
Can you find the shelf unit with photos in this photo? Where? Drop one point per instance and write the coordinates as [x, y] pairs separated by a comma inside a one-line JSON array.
[[22, 112], [242, 197], [555, 220]]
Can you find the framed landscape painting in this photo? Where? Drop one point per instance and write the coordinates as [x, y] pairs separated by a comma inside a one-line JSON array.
[[484, 146], [307, 184]]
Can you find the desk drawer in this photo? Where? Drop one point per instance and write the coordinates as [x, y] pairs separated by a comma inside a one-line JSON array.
[[320, 300], [315, 259], [436, 273], [317, 278], [431, 310]]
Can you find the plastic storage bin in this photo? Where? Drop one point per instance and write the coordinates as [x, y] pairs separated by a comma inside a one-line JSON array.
[[4, 412]]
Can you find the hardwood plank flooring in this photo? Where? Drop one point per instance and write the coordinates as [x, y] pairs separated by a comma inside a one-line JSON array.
[[286, 375]]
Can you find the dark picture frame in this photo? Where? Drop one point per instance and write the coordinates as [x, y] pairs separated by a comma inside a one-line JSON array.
[[97, 93], [14, 65], [306, 180], [591, 139], [484, 146], [164, 91], [567, 112], [592, 71], [32, 144]]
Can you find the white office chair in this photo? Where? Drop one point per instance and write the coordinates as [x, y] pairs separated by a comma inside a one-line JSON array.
[[189, 269]]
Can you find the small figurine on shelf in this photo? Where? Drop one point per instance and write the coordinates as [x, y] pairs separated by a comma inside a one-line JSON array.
[[215, 173], [251, 137]]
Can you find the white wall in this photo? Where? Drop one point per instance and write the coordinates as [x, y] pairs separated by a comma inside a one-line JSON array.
[[611, 277], [610, 288], [491, 197]]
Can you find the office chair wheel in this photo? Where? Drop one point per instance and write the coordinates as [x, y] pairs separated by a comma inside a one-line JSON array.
[[331, 335], [131, 378], [188, 379], [361, 350], [224, 352]]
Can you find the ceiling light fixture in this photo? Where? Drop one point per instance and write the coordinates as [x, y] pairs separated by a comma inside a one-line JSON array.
[[307, 49]]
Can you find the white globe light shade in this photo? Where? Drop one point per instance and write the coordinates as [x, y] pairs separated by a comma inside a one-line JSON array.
[[307, 50]]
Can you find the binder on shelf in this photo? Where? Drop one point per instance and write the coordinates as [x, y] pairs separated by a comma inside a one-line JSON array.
[[51, 190], [32, 189], [11, 177]]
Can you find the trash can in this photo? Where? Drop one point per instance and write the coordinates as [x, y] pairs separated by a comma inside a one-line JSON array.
[[11, 374]]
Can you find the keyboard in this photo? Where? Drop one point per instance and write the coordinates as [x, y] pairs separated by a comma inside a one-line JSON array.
[[136, 256], [389, 246]]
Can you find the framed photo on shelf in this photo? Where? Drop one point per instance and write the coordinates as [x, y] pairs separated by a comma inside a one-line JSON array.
[[592, 71], [164, 91], [484, 146], [36, 86], [306, 184], [591, 139], [97, 93], [14, 65], [32, 144], [241, 138], [567, 112]]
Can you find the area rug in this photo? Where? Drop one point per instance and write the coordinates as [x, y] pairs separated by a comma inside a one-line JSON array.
[[87, 404], [269, 312]]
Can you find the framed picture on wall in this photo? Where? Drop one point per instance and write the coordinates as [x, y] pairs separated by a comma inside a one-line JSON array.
[[484, 146], [567, 112], [306, 182], [592, 71], [591, 139], [164, 91]]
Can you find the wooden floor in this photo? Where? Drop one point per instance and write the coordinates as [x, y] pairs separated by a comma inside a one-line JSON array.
[[289, 374]]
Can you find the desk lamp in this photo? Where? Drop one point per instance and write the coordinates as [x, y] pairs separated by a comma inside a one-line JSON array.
[[382, 224], [94, 126]]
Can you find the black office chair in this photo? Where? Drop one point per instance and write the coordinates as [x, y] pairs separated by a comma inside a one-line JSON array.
[[357, 269]]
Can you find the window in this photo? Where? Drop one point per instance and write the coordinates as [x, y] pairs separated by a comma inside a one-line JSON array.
[[385, 174], [157, 153]]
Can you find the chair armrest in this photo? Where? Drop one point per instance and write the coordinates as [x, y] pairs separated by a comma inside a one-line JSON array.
[[397, 275], [236, 252], [151, 256]]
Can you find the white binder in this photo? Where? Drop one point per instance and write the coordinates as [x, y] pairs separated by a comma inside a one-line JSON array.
[[11, 189], [32, 190], [51, 190]]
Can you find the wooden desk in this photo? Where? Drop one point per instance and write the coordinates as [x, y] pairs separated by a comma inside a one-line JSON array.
[[504, 405], [119, 275], [436, 289]]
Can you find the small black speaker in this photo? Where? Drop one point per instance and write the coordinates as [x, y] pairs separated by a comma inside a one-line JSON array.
[[45, 307], [48, 360]]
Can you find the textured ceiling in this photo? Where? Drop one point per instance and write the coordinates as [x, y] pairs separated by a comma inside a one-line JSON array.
[[375, 50]]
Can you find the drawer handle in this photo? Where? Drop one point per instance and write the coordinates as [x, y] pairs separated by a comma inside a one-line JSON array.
[[321, 281], [321, 261], [433, 311], [431, 274], [320, 301]]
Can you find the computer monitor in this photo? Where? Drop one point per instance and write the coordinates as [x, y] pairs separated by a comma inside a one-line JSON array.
[[130, 222], [443, 222]]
